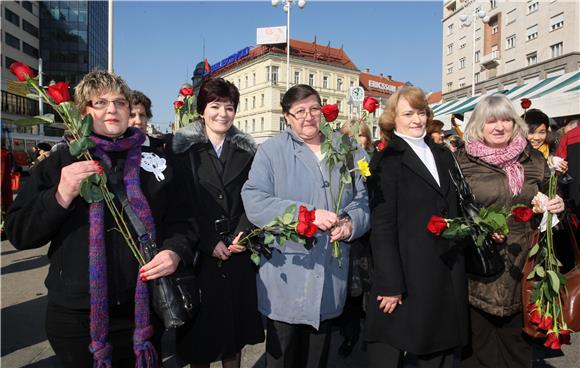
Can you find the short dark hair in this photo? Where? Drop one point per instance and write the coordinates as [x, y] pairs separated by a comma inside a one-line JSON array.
[[434, 126], [297, 93], [534, 118], [139, 98], [217, 89], [44, 146]]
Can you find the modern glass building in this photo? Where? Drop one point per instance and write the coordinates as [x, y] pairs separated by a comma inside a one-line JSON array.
[[73, 38]]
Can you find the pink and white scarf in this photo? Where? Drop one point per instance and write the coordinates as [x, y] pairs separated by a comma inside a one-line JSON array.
[[505, 158]]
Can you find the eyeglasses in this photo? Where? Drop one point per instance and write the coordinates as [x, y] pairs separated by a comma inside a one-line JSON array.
[[102, 104], [301, 114]]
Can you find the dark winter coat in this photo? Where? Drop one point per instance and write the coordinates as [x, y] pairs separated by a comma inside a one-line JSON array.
[[501, 295], [36, 219], [428, 271], [228, 317]]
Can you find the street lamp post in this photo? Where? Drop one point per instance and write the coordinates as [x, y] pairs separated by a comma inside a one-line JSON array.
[[287, 6], [466, 21]]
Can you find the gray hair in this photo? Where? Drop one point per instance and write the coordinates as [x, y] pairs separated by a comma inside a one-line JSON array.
[[99, 82], [490, 108]]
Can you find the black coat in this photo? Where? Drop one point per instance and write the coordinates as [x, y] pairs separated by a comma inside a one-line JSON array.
[[427, 270], [229, 317], [36, 218]]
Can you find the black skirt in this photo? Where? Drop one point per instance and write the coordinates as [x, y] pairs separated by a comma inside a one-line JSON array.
[[228, 318]]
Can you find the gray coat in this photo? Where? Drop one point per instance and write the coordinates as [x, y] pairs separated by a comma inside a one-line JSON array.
[[297, 285]]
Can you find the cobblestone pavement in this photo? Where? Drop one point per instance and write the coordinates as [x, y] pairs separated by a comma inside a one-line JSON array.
[[24, 342]]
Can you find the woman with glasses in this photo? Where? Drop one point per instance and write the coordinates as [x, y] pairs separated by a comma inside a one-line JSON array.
[[300, 290], [98, 305]]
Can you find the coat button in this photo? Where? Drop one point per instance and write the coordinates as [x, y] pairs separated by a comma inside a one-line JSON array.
[[220, 196]]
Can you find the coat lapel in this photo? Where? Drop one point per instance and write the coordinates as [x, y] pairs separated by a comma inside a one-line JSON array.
[[442, 167], [236, 162]]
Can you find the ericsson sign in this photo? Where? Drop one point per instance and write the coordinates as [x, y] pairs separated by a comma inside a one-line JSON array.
[[230, 59]]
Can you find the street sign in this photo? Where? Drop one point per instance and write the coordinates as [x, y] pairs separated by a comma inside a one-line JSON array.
[[356, 95]]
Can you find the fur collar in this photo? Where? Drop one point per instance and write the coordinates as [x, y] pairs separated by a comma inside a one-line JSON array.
[[194, 134]]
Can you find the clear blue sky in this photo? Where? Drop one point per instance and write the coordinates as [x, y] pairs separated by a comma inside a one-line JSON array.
[[158, 43]]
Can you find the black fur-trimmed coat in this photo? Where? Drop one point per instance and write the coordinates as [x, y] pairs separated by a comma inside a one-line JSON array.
[[229, 317]]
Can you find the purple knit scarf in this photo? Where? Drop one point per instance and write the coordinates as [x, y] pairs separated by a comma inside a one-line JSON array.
[[145, 354], [505, 158]]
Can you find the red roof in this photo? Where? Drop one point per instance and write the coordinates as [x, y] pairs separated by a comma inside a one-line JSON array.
[[434, 97], [306, 50], [377, 85]]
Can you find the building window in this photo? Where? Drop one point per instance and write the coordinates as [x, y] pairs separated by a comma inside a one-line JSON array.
[[511, 16], [11, 40], [449, 69], [338, 104], [240, 82], [325, 81], [272, 74], [282, 123], [477, 56], [449, 86], [246, 81], [262, 100], [296, 77], [245, 126], [532, 58], [492, 4], [352, 83], [253, 102], [311, 80], [510, 42], [253, 79], [462, 42], [261, 124], [30, 28], [253, 125], [281, 97], [29, 50], [245, 103], [450, 49], [12, 17], [462, 63], [324, 101], [557, 49], [532, 32], [450, 29], [339, 84], [27, 5], [533, 5], [557, 22], [494, 27], [461, 82], [476, 77]]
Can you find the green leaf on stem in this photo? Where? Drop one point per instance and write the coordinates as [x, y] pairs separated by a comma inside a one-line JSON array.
[[33, 96], [540, 271], [554, 281], [90, 190], [80, 146], [41, 119], [255, 257], [86, 126], [268, 238], [534, 250], [531, 275]]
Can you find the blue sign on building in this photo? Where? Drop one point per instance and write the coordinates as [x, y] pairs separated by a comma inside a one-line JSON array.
[[230, 59]]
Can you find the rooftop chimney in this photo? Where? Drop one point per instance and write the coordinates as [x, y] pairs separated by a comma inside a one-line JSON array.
[[382, 75], [389, 77], [367, 70]]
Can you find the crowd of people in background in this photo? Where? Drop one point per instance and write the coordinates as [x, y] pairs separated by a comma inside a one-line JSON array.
[[402, 291]]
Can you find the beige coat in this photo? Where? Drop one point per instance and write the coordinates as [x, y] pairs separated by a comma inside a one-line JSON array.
[[501, 295]]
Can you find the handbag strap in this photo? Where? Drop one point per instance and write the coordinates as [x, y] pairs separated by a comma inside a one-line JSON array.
[[461, 184]]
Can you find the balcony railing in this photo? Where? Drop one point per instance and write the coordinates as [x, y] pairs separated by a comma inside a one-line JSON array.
[[24, 106], [490, 60]]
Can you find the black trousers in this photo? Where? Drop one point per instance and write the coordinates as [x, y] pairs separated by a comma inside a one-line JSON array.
[[383, 355], [297, 346], [497, 342], [68, 333]]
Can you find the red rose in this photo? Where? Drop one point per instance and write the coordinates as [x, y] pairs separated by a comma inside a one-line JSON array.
[[526, 103], [177, 105], [330, 112], [522, 214], [370, 104], [302, 228], [531, 307], [59, 92], [303, 215], [535, 317], [312, 229], [21, 71], [382, 145], [550, 339], [437, 225], [548, 322], [186, 91], [564, 337]]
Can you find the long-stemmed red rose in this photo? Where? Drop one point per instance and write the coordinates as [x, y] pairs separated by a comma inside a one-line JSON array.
[[330, 112], [21, 71], [370, 104], [59, 92]]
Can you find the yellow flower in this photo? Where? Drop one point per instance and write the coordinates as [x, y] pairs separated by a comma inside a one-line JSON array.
[[363, 167]]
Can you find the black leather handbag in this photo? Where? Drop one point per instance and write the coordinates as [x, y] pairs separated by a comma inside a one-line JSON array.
[[484, 260], [175, 298]]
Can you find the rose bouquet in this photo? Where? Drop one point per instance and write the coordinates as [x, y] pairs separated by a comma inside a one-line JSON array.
[[185, 107], [283, 228], [545, 307], [79, 128], [341, 152]]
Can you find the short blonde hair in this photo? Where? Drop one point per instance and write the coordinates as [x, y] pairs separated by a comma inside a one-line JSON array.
[[96, 83], [346, 129], [491, 108], [414, 96]]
